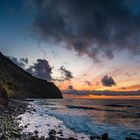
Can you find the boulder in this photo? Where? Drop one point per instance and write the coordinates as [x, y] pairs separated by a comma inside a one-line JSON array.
[[3, 96], [105, 136]]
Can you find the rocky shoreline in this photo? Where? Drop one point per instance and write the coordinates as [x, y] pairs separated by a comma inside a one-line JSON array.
[[9, 126], [10, 129]]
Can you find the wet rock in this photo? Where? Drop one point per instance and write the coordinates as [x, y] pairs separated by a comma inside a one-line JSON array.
[[30, 133], [36, 132], [15, 133], [52, 132], [42, 138], [71, 138], [91, 137], [29, 111], [61, 135], [2, 137], [9, 121], [60, 126], [95, 137], [105, 136], [25, 126], [36, 137], [60, 132]]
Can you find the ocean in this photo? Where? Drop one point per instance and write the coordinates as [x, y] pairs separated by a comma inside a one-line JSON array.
[[81, 118]]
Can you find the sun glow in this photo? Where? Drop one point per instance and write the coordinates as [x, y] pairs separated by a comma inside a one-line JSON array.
[[101, 97]]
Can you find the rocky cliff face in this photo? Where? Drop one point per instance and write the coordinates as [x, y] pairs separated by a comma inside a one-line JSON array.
[[3, 96], [19, 83]]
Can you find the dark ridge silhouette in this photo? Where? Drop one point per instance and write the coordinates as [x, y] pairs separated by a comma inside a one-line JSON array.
[[20, 83]]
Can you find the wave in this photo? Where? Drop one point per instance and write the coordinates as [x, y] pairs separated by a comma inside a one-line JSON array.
[[83, 124], [80, 107], [80, 121], [92, 108], [118, 105]]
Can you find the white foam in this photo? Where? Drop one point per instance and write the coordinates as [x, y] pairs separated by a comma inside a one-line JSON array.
[[43, 123], [85, 125], [73, 123]]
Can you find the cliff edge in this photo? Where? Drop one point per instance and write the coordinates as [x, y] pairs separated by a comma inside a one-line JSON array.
[[20, 83]]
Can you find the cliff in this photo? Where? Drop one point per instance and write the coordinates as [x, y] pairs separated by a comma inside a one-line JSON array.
[[19, 83]]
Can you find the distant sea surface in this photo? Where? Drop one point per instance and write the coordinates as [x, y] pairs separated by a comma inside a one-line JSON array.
[[82, 118]]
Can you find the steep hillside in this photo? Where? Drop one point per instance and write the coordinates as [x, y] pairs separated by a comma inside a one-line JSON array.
[[19, 83]]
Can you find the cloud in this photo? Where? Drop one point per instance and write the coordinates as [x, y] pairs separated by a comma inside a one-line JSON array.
[[131, 74], [41, 69], [123, 88], [18, 62], [100, 93], [58, 79], [88, 83], [66, 74], [70, 87], [108, 81], [24, 60], [96, 28]]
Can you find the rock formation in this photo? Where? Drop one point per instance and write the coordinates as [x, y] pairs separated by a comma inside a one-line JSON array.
[[19, 83]]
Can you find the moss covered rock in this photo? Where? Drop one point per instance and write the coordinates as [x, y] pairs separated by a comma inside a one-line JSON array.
[[3, 96]]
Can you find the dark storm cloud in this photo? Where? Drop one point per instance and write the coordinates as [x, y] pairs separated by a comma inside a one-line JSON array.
[[66, 74], [108, 81], [96, 28], [41, 69]]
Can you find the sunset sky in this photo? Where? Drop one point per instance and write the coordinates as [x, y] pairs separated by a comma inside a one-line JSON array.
[[77, 44]]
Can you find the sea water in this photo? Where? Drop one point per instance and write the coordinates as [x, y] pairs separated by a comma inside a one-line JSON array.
[[82, 118]]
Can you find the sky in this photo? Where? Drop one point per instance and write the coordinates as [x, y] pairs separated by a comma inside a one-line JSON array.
[[79, 45]]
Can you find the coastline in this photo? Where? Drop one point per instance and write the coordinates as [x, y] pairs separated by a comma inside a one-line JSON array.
[[11, 128], [9, 120]]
